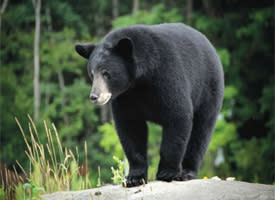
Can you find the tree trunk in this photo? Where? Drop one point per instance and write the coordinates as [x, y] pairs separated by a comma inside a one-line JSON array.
[[135, 6], [49, 27], [209, 8], [105, 113], [47, 96], [188, 8], [100, 31], [62, 88], [115, 8], [2, 10], [104, 110], [37, 8], [49, 19]]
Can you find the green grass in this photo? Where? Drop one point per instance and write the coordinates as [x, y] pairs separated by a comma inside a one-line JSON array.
[[52, 167], [118, 173]]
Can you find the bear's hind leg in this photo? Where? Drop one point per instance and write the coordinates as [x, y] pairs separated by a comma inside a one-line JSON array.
[[174, 143], [203, 126]]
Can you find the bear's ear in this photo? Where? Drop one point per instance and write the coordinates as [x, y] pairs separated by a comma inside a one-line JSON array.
[[84, 50], [124, 48]]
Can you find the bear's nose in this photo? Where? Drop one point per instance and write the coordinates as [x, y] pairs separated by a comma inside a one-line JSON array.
[[93, 97]]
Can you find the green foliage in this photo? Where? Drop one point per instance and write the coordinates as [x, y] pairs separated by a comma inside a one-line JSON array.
[[2, 192], [224, 134], [259, 18], [52, 167], [77, 108], [157, 15], [266, 101], [32, 191], [252, 164], [211, 26], [118, 174], [110, 141], [66, 17], [225, 58], [57, 53], [16, 89], [112, 147]]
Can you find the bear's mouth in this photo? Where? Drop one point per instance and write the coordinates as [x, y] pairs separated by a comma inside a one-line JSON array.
[[104, 98]]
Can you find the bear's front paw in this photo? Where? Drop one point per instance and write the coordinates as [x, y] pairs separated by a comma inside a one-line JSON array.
[[168, 175], [132, 181]]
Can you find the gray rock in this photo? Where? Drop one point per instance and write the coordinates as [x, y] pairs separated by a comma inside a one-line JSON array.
[[208, 189]]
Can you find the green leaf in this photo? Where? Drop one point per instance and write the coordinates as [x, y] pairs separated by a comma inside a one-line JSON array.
[[27, 185], [38, 189]]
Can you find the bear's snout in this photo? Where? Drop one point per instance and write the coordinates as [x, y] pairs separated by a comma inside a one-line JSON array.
[[100, 99]]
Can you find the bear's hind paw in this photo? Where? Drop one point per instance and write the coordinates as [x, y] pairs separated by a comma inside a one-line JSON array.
[[167, 175], [187, 175]]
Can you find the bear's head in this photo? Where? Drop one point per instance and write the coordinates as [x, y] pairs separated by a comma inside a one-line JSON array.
[[110, 66]]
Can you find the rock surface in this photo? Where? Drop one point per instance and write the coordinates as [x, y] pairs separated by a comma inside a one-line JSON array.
[[207, 189]]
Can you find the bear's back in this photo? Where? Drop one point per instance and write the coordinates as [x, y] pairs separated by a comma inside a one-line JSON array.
[[177, 32], [191, 49], [174, 41], [181, 54]]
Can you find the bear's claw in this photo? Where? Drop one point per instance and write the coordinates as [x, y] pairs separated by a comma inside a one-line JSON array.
[[167, 175], [187, 175], [132, 181]]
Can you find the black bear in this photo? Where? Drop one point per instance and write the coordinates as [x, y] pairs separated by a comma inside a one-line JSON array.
[[168, 74]]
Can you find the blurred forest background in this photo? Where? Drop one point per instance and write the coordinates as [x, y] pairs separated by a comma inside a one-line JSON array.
[[41, 75]]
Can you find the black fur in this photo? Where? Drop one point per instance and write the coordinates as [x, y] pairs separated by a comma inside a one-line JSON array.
[[171, 75]]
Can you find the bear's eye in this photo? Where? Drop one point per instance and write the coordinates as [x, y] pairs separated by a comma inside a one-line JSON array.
[[105, 74]]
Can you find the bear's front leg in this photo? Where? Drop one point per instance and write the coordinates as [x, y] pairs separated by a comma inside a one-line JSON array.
[[175, 138], [133, 137], [132, 132]]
